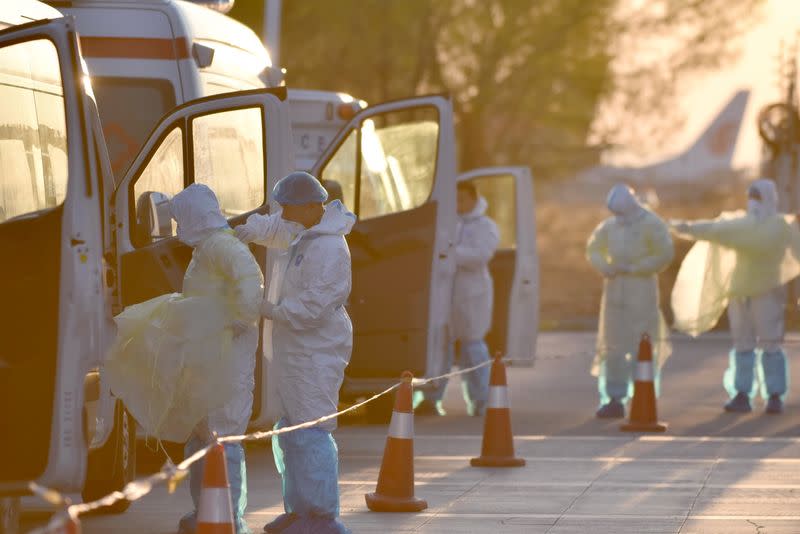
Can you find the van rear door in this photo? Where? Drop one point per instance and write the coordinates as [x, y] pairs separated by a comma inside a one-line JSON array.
[[239, 144], [51, 245], [515, 266], [395, 163]]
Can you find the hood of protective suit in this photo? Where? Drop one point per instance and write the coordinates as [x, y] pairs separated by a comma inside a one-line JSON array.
[[335, 221], [478, 211], [623, 203], [767, 205], [196, 210]]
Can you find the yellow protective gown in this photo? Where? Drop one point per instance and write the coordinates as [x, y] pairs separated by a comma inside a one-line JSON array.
[[642, 247], [175, 360], [736, 256]]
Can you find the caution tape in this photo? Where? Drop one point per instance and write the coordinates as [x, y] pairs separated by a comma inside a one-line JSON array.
[[172, 474]]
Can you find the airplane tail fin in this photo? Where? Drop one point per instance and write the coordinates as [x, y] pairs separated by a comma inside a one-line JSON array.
[[716, 145]]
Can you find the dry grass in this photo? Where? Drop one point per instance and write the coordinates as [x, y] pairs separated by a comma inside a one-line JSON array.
[[570, 288]]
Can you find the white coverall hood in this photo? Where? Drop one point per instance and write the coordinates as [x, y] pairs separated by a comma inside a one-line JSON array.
[[767, 206], [478, 211], [623, 203], [335, 221], [196, 210]]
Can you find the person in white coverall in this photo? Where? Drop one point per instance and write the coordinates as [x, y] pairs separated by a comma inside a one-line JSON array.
[[763, 243], [221, 265], [312, 340], [471, 307], [628, 249]]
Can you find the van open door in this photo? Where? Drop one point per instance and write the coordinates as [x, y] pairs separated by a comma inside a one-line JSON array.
[[239, 144], [51, 245], [395, 163], [515, 266]]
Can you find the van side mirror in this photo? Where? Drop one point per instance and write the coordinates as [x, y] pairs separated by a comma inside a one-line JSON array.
[[153, 217], [273, 76]]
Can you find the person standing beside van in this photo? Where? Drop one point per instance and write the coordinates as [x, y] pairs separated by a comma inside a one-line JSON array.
[[472, 299], [312, 340]]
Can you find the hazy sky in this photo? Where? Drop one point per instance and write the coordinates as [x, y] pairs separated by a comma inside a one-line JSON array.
[[756, 68]]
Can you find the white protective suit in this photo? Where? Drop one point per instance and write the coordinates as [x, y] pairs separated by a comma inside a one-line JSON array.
[[181, 358], [312, 337], [473, 291], [629, 250], [742, 261]]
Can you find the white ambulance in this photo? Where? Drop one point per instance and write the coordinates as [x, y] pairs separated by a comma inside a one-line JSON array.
[[78, 243], [147, 56]]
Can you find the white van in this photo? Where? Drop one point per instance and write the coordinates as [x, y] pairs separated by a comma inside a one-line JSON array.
[[72, 232], [147, 56]]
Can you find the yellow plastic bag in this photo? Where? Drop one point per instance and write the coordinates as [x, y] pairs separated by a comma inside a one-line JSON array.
[[171, 362]]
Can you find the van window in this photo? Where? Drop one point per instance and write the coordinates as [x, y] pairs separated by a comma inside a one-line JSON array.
[[163, 173], [500, 193], [229, 158], [398, 152], [33, 133], [397, 162], [129, 110], [341, 168]]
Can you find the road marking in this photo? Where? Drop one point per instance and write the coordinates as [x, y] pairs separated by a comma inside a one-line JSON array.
[[625, 439], [603, 459], [583, 484], [554, 517]]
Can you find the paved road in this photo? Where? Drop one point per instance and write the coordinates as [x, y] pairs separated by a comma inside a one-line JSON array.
[[711, 473]]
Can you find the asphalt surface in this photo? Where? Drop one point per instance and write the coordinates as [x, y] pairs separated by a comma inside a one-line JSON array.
[[711, 472]]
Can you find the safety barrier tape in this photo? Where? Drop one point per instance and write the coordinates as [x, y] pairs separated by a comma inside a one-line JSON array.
[[172, 474]]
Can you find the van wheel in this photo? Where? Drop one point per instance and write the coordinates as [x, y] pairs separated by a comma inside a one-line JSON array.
[[379, 411], [9, 515], [113, 465]]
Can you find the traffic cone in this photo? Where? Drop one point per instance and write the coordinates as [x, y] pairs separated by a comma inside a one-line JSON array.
[[395, 491], [71, 525], [643, 417], [215, 515], [498, 441]]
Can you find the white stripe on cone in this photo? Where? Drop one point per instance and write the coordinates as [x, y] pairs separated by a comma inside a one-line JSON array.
[[215, 506], [644, 371], [402, 425], [498, 397]]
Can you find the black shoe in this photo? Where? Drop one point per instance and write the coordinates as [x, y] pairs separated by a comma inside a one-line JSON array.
[[613, 410], [428, 407], [774, 405], [739, 404]]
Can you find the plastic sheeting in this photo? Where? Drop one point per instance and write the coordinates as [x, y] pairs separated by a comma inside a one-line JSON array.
[[630, 303], [736, 256], [166, 348]]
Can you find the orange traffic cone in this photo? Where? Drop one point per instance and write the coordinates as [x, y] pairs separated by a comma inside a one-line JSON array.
[[215, 515], [72, 525], [395, 491], [498, 441], [643, 417]]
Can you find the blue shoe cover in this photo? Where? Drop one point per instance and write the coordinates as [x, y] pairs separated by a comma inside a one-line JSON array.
[[739, 404]]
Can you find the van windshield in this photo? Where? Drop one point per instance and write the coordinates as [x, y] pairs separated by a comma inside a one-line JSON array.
[[129, 110]]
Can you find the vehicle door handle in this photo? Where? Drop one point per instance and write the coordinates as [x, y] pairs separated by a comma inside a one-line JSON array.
[[442, 256], [73, 242]]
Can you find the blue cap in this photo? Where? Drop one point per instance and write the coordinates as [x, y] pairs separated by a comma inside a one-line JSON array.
[[299, 188]]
